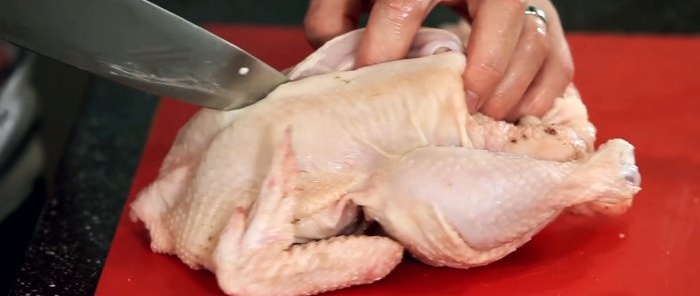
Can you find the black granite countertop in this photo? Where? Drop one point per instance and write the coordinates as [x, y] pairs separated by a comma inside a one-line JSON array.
[[77, 212]]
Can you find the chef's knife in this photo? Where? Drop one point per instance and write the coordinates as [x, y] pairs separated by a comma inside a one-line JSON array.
[[139, 44]]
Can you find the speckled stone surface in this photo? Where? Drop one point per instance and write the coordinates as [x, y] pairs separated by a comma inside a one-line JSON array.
[[75, 228], [72, 237]]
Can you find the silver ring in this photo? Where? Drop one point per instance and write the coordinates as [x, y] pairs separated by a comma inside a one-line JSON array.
[[531, 10]]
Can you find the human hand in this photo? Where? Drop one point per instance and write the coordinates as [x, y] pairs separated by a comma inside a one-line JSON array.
[[517, 64]]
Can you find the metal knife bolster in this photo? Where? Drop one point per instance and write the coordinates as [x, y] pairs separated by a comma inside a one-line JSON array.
[[139, 44]]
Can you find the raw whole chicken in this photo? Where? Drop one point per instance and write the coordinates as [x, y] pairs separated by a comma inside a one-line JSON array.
[[275, 198]]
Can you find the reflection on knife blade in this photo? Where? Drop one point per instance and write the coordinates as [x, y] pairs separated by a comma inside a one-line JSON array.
[[131, 72], [139, 44]]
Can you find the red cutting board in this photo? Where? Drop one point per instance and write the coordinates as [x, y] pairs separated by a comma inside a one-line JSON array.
[[640, 88]]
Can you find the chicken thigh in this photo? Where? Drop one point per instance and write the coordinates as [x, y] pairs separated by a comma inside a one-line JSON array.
[[273, 198], [460, 208]]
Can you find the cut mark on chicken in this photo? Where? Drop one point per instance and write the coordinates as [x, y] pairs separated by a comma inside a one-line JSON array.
[[374, 147], [415, 125]]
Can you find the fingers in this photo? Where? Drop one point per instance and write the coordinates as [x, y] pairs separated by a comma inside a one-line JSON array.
[[491, 46], [517, 64], [530, 53], [554, 76], [391, 26], [550, 83], [326, 19]]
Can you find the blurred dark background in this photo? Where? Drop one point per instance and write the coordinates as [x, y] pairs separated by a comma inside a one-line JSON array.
[[76, 113], [657, 16]]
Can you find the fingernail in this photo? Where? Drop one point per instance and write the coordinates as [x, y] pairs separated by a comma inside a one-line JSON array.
[[472, 100], [442, 49]]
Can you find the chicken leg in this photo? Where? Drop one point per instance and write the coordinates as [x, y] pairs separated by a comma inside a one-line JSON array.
[[457, 207]]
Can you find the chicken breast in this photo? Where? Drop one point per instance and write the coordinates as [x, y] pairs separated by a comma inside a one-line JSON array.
[[273, 198]]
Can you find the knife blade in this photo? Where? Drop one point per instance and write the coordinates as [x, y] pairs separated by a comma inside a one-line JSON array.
[[141, 45]]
